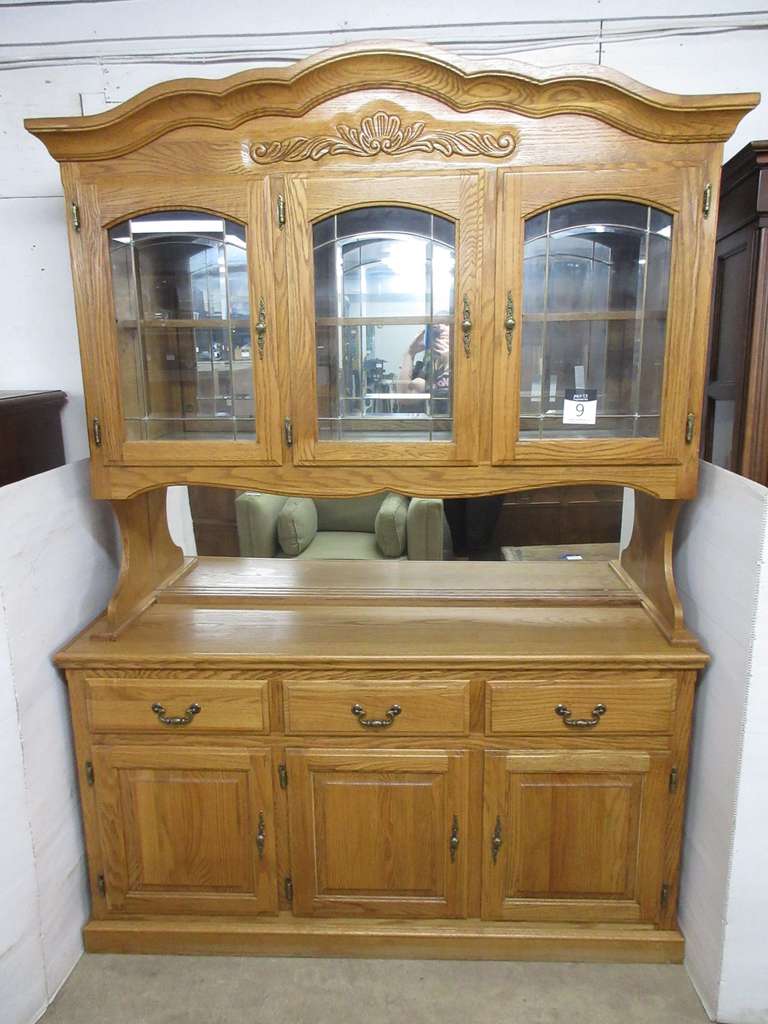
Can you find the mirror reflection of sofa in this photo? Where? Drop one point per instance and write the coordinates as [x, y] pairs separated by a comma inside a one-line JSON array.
[[378, 526]]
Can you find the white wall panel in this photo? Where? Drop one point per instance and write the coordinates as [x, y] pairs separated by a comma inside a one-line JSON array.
[[22, 974], [718, 567], [26, 169], [744, 984], [58, 564], [38, 342]]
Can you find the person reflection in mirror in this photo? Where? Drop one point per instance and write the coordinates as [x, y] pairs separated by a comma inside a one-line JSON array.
[[430, 374]]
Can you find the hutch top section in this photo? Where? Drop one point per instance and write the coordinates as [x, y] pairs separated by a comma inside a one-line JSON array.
[[329, 278]]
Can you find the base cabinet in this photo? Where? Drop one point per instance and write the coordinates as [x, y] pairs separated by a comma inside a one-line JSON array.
[[574, 836], [500, 837], [378, 832], [186, 830]]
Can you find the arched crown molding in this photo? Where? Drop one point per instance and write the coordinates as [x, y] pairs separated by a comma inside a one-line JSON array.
[[462, 85]]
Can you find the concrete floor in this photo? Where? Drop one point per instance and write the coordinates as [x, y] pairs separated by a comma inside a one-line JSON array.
[[240, 990]]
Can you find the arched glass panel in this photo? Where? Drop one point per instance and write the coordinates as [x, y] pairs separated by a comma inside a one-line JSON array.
[[384, 283], [180, 284], [595, 289]]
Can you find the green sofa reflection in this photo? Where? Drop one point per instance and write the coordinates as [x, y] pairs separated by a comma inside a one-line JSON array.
[[379, 526]]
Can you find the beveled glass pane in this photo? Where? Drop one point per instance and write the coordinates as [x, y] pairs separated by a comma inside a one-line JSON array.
[[361, 398], [384, 305], [180, 284], [595, 292]]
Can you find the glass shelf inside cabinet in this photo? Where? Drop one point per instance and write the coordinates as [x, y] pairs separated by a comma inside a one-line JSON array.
[[595, 289], [384, 308], [180, 284]]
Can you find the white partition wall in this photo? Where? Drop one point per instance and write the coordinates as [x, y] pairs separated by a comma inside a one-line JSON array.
[[58, 564], [721, 568]]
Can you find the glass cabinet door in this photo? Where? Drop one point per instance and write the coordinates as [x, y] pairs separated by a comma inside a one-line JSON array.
[[384, 305], [589, 293], [180, 283], [192, 355], [594, 316], [389, 362]]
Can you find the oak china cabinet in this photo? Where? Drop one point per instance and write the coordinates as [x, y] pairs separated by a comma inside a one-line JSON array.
[[390, 269]]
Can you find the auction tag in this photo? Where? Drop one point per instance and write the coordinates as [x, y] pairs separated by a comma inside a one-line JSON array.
[[580, 406]]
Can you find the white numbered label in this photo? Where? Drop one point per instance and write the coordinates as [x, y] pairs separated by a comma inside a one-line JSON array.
[[580, 406]]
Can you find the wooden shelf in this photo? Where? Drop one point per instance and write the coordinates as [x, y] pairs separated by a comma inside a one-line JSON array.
[[242, 322], [604, 314], [266, 582], [434, 636]]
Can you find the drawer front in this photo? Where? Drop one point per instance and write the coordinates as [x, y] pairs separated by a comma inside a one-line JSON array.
[[325, 707], [579, 706], [168, 705]]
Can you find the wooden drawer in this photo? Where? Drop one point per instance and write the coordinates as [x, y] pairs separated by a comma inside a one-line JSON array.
[[126, 705], [319, 707], [633, 706]]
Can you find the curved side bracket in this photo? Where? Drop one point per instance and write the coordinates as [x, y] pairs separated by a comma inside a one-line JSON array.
[[150, 558], [647, 564]]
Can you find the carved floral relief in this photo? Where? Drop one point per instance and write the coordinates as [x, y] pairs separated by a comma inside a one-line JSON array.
[[385, 133]]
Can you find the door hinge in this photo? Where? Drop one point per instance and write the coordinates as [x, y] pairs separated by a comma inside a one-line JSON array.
[[664, 898], [673, 781], [74, 209], [282, 773], [101, 885], [97, 431], [281, 211], [89, 774], [288, 428], [690, 426], [706, 204], [289, 889]]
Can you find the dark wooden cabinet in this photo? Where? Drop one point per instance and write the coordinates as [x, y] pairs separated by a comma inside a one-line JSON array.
[[735, 433], [30, 433], [213, 520]]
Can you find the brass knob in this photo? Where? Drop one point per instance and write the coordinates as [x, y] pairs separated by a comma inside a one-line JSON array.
[[496, 840], [261, 836], [454, 840]]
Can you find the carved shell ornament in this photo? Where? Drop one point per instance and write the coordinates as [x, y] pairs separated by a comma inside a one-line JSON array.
[[384, 133]]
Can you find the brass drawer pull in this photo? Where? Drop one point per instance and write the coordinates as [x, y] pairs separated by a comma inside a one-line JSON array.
[[261, 328], [261, 836], [466, 327], [509, 322], [185, 719], [454, 841], [581, 723], [376, 723], [496, 840]]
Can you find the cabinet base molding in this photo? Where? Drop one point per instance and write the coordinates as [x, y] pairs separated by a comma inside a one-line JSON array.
[[286, 935]]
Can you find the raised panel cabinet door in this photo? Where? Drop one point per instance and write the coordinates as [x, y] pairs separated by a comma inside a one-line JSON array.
[[175, 295], [385, 319], [601, 314], [574, 836], [186, 831], [379, 833]]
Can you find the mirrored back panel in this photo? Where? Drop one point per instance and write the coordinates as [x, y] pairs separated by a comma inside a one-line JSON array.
[[595, 291], [384, 311], [180, 284]]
